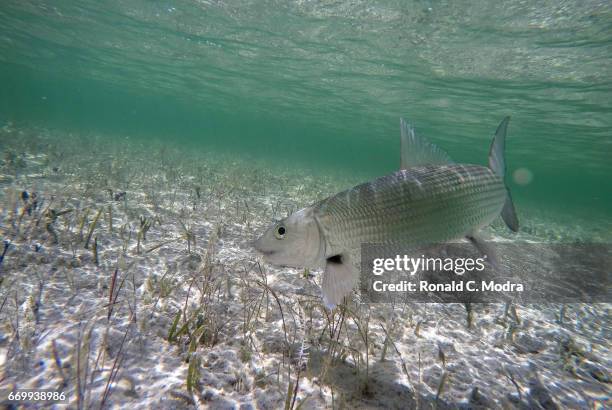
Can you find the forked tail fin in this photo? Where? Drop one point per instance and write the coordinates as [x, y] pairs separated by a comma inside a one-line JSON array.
[[497, 163]]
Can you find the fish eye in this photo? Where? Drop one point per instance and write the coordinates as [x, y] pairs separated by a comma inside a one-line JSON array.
[[280, 231]]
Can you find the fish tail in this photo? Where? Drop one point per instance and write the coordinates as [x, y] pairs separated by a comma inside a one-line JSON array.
[[497, 163]]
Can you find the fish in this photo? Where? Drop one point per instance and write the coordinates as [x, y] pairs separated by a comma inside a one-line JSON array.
[[430, 199]]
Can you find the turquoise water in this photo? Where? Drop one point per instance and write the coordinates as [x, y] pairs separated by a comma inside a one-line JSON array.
[[322, 84]]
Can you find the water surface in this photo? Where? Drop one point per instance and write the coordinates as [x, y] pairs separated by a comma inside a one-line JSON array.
[[322, 85]]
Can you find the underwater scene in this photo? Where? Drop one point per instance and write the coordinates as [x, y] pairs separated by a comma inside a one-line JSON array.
[[305, 204]]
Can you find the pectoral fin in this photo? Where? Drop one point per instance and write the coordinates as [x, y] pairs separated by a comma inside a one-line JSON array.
[[339, 279]]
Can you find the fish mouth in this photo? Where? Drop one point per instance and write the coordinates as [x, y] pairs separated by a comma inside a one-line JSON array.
[[258, 248]]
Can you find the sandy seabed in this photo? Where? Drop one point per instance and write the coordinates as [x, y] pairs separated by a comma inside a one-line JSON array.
[[127, 280]]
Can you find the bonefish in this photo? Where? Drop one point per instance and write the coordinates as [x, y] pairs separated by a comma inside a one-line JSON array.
[[429, 200]]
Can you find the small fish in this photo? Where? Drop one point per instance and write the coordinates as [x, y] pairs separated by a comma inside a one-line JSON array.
[[429, 200]]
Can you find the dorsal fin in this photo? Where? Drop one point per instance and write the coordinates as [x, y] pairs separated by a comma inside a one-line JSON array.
[[416, 150]]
